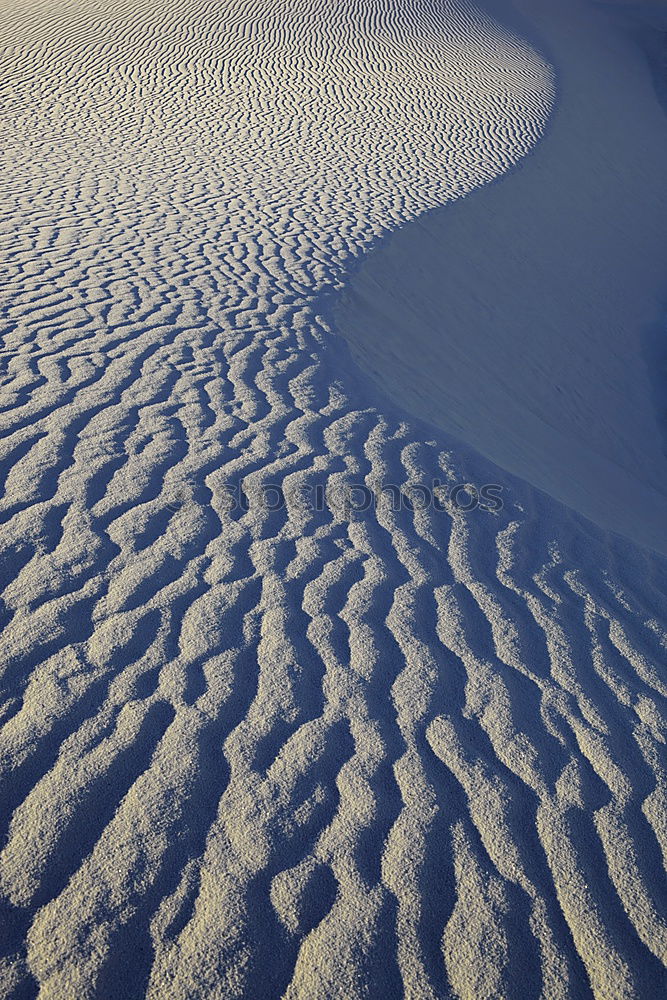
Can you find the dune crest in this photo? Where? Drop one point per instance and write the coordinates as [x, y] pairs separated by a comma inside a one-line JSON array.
[[529, 318]]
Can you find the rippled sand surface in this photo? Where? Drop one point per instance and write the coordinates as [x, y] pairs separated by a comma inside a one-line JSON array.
[[263, 750]]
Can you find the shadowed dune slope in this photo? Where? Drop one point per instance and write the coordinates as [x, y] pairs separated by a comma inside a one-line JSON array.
[[257, 750], [530, 318]]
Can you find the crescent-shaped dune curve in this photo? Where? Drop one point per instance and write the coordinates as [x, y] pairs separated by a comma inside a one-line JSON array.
[[529, 319], [262, 749]]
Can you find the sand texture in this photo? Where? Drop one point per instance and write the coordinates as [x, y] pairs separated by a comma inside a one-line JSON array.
[[297, 749]]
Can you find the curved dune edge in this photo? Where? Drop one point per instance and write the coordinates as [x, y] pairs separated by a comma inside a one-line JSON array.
[[303, 752], [517, 319]]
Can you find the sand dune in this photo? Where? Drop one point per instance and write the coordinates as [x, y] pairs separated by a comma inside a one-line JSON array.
[[308, 751], [539, 301]]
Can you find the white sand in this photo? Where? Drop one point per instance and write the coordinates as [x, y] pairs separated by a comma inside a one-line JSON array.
[[300, 752]]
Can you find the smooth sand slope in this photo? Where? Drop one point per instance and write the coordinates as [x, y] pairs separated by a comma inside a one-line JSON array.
[[311, 753], [530, 318]]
